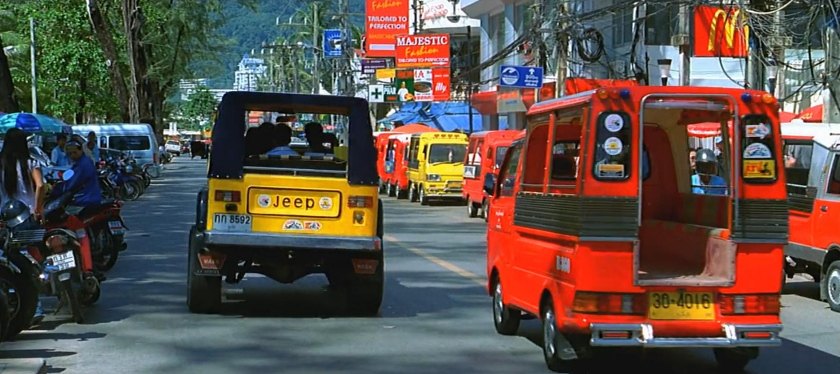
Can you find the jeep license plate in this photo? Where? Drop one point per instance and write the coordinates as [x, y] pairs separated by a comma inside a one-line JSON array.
[[232, 222]]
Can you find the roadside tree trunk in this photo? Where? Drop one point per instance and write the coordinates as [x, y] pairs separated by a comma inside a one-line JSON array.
[[106, 41], [8, 101]]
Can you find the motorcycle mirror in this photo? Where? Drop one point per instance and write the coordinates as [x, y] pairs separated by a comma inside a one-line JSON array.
[[67, 175]]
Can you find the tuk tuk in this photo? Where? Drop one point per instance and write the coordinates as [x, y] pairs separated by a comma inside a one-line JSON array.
[[396, 165], [436, 166], [485, 154], [812, 169], [287, 216], [599, 227], [381, 144]]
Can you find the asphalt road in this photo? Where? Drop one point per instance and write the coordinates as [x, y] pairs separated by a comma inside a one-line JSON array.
[[435, 317]]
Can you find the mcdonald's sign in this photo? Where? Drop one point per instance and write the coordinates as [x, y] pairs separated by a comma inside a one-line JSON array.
[[720, 32]]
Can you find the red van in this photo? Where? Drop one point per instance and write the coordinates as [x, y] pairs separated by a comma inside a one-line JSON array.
[[396, 165], [602, 227], [380, 142], [485, 153], [812, 168]]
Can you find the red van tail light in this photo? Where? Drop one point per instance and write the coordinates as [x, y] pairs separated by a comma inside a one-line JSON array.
[[608, 303], [750, 304], [359, 201], [228, 196]]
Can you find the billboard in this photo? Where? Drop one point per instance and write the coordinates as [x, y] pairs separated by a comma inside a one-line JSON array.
[[420, 85], [384, 20], [720, 32], [421, 51]]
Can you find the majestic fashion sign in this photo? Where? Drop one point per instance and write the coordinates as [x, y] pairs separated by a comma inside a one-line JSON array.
[[426, 50], [720, 32]]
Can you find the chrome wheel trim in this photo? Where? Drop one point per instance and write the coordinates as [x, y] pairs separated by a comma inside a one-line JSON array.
[[498, 306], [833, 286], [549, 334]]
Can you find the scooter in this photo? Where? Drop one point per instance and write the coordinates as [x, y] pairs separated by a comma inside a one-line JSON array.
[[106, 229], [18, 289]]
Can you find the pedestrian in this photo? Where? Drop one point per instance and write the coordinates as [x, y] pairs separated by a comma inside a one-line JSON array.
[[57, 155], [22, 180], [93, 147]]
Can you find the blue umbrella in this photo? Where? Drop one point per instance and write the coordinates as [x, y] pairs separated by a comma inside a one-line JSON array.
[[32, 123]]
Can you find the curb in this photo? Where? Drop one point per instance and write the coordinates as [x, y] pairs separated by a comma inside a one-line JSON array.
[[23, 366]]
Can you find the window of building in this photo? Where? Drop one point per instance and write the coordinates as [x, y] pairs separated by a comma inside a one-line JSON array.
[[623, 22], [662, 22]]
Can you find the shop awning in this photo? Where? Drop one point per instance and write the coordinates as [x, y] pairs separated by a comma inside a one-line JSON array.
[[812, 114], [486, 101]]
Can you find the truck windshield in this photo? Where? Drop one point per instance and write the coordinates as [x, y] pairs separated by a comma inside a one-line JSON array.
[[449, 153]]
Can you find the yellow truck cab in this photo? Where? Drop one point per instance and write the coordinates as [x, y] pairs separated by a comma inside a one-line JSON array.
[[436, 166]]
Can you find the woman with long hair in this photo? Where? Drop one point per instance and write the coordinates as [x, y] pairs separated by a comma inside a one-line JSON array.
[[22, 180], [21, 174]]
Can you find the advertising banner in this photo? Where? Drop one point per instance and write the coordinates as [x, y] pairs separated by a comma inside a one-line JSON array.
[[369, 65], [441, 83], [384, 20], [422, 51], [720, 32], [421, 85]]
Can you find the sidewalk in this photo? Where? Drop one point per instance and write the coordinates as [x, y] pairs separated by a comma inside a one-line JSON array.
[[23, 366]]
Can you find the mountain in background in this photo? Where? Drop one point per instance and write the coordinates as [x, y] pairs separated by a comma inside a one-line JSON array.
[[246, 29]]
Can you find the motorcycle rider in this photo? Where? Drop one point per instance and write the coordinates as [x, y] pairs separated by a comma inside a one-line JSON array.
[[85, 181]]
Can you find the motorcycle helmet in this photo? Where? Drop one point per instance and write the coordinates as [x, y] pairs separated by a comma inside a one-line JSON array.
[[14, 212], [706, 163]]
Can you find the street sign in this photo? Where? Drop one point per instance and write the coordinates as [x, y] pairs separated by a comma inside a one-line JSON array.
[[521, 76], [376, 93], [369, 65], [332, 43]]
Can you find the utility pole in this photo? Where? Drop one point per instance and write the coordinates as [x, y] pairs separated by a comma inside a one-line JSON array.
[[683, 42], [347, 50], [561, 48], [831, 92], [32, 57], [749, 62], [316, 80]]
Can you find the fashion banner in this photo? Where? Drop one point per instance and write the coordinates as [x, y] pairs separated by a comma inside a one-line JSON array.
[[422, 51], [384, 20]]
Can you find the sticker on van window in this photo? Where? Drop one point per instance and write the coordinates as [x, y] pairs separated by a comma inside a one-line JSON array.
[[757, 150], [613, 146], [760, 130], [610, 170], [759, 169], [614, 123]]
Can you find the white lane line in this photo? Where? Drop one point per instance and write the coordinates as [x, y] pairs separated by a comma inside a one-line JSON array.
[[439, 261]]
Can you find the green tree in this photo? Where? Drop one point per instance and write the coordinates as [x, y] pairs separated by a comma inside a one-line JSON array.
[[197, 110]]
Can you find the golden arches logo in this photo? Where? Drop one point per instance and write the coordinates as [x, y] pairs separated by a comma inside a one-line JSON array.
[[730, 27]]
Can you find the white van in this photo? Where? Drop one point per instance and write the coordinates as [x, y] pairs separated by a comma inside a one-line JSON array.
[[138, 139]]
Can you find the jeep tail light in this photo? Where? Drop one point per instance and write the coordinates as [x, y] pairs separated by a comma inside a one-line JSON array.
[[608, 303], [228, 196], [359, 201], [750, 304]]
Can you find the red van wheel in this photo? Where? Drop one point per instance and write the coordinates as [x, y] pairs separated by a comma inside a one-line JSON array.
[[832, 285], [472, 208], [506, 320]]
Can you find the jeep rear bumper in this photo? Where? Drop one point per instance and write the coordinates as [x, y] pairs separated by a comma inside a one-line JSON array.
[[265, 240]]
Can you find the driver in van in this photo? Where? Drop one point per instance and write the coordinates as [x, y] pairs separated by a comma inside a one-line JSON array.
[[706, 181], [85, 182]]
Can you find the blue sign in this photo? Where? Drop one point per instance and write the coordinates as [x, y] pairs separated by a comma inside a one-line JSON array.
[[521, 76], [332, 43]]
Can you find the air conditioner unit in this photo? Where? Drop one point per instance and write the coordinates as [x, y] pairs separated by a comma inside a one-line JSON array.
[[680, 40], [618, 68]]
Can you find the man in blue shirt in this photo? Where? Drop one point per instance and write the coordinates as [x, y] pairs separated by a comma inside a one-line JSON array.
[[85, 181], [282, 135], [706, 181], [57, 156]]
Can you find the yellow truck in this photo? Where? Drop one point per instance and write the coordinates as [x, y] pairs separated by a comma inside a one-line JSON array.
[[436, 166]]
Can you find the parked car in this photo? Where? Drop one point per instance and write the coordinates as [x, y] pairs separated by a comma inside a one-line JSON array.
[[173, 146]]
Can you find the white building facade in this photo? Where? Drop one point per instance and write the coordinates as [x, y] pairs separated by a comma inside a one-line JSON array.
[[249, 72]]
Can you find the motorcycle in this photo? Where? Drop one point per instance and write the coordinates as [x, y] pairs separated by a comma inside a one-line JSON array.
[[18, 289], [61, 257]]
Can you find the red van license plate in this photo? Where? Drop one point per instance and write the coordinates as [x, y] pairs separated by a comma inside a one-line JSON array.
[[681, 305]]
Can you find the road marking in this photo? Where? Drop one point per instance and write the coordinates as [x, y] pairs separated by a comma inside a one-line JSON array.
[[439, 261]]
